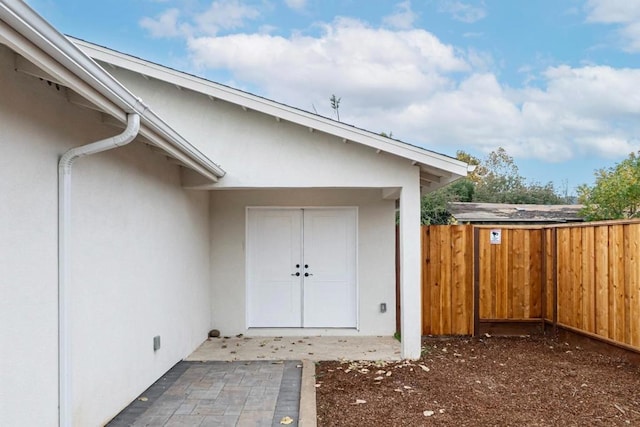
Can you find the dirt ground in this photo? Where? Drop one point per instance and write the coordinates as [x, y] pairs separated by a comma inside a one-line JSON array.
[[483, 382]]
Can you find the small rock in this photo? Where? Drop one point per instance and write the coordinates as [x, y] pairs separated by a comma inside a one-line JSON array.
[[428, 413], [214, 333]]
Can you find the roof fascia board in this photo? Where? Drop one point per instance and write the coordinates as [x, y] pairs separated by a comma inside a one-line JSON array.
[[252, 102], [46, 46]]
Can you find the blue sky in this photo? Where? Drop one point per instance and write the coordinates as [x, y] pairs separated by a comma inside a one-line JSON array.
[[554, 82]]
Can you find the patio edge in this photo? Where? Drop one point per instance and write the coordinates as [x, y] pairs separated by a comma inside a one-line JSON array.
[[308, 415]]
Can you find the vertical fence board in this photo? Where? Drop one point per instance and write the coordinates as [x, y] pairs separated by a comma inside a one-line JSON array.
[[445, 280], [588, 279], [504, 266], [576, 279], [426, 274], [549, 276], [459, 279], [535, 264], [616, 280], [634, 286], [629, 266], [487, 275], [601, 248], [564, 304], [434, 282], [517, 283]]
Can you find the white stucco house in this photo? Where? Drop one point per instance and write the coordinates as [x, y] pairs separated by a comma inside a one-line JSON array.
[[142, 202]]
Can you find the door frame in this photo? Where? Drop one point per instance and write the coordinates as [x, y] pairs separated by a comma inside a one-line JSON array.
[[247, 266]]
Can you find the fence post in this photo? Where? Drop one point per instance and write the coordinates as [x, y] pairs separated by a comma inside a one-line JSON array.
[[543, 278], [476, 281], [554, 257]]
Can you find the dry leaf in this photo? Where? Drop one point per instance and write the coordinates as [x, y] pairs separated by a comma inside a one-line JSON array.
[[143, 399], [359, 402], [388, 374], [286, 420], [424, 368], [407, 387], [378, 378]]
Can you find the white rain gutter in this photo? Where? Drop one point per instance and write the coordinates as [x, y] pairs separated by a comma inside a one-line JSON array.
[[38, 31], [64, 226]]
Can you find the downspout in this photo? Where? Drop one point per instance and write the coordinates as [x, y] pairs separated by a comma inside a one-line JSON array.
[[64, 223]]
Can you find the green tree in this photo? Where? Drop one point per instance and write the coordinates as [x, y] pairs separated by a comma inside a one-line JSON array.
[[434, 210], [495, 179], [499, 181], [616, 192]]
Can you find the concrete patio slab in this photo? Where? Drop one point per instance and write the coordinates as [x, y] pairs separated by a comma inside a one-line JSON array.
[[298, 348]]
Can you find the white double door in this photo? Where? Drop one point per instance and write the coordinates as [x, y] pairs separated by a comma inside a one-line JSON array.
[[301, 267]]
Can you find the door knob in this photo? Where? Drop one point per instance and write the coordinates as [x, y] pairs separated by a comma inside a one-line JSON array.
[[307, 274], [306, 266], [295, 274], [297, 265]]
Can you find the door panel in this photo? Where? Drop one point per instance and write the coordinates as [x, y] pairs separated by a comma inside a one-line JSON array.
[[272, 253], [329, 292]]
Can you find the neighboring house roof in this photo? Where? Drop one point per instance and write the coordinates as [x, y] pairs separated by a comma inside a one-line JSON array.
[[495, 213], [44, 52], [436, 170]]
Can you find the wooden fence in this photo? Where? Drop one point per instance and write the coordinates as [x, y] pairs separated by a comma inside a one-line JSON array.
[[583, 277]]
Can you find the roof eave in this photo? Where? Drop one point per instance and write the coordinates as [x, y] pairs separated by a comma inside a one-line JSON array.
[[35, 36], [453, 169]]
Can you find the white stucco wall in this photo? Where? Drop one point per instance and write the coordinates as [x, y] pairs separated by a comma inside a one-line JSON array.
[[30, 140], [140, 268], [139, 261], [260, 152], [375, 246], [257, 151]]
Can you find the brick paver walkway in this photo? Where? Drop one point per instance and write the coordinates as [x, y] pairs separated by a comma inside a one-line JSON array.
[[256, 393]]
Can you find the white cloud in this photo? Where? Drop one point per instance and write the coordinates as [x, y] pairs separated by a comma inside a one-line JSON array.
[[165, 25], [612, 11], [351, 59], [424, 91], [463, 12], [220, 15], [403, 18], [296, 4], [224, 14], [623, 13]]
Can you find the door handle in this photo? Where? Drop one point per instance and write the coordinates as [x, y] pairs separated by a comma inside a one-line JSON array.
[[295, 274], [307, 274]]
